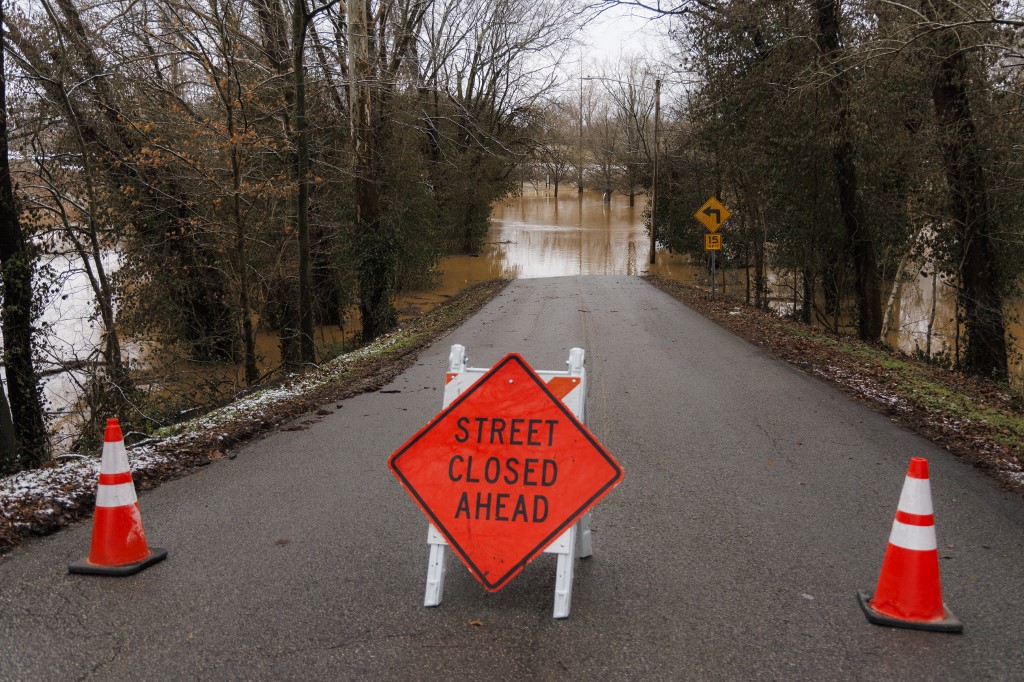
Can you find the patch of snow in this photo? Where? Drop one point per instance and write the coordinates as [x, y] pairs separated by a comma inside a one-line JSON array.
[[73, 477], [857, 383], [48, 490]]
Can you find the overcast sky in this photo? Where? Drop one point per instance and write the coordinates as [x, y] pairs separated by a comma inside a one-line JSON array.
[[623, 32]]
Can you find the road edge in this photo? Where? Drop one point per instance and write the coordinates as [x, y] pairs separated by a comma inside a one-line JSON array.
[[978, 421], [39, 502]]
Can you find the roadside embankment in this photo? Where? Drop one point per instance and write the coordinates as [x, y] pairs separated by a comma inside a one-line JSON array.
[[978, 421], [41, 501]]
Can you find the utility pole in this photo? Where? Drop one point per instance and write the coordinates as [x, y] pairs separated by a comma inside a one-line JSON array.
[[654, 179], [579, 165]]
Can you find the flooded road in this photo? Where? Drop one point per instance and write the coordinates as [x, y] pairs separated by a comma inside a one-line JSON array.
[[537, 235], [576, 234]]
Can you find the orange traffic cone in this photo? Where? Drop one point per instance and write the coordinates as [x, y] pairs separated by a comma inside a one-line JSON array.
[[118, 540], [909, 593]]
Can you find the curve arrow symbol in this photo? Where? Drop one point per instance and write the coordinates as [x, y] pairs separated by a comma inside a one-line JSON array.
[[718, 214]]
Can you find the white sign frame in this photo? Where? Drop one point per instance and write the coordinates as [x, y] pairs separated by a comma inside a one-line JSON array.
[[573, 543]]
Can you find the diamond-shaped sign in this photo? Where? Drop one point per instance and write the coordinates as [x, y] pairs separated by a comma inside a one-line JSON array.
[[504, 470], [712, 214]]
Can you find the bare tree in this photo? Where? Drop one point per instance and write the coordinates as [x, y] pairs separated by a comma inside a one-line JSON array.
[[493, 61], [16, 262], [632, 91], [557, 142], [867, 287], [379, 43], [605, 138]]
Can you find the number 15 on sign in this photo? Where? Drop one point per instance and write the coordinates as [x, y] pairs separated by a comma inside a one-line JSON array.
[[713, 242]]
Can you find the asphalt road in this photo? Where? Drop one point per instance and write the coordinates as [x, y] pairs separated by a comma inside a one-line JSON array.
[[756, 502]]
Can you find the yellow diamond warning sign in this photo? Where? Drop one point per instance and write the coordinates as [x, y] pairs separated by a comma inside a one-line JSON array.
[[712, 214]]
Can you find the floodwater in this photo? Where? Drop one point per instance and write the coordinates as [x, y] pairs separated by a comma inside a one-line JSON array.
[[921, 319], [534, 235], [537, 235], [71, 327]]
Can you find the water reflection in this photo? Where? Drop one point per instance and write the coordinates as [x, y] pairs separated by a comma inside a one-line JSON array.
[[575, 234], [921, 319]]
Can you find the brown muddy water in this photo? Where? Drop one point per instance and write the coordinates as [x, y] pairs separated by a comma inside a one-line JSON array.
[[537, 235], [534, 235]]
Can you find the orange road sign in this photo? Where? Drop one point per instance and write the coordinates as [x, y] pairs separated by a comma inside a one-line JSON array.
[[712, 214], [713, 242], [504, 471]]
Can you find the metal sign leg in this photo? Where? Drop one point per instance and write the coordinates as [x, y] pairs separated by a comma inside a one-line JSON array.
[[436, 567], [585, 543], [564, 574]]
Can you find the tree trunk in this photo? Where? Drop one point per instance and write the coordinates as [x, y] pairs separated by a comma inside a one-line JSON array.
[[8, 440], [245, 307], [808, 294], [469, 240], [16, 263], [867, 287], [760, 288], [746, 255], [981, 298], [307, 352], [376, 249]]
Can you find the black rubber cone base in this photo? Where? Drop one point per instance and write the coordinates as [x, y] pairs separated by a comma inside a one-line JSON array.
[[948, 624], [85, 567]]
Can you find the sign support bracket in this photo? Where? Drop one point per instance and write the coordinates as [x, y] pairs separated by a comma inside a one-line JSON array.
[[575, 542]]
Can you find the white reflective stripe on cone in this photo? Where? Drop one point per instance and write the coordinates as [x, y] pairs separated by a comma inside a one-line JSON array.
[[916, 497], [118, 495], [918, 538], [115, 459]]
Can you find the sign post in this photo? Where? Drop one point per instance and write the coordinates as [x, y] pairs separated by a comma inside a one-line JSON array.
[[712, 214], [507, 471]]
